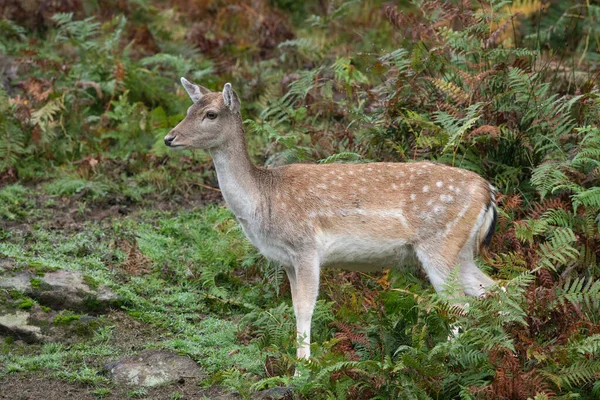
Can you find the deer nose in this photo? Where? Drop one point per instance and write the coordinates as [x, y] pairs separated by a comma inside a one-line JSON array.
[[169, 139]]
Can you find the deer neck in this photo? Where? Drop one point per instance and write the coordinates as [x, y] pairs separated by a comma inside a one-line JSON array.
[[237, 176]]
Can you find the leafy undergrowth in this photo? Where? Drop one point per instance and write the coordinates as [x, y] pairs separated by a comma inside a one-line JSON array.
[[506, 89]]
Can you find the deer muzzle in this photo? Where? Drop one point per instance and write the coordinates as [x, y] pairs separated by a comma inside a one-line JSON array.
[[170, 138]]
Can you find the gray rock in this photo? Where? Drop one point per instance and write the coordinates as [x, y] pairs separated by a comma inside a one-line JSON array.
[[62, 289], [6, 264], [18, 282], [153, 368], [276, 393], [17, 324]]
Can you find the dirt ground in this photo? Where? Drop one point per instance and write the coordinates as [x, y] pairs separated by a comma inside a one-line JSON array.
[[129, 335], [40, 387]]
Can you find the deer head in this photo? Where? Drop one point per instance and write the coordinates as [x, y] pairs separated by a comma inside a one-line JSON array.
[[210, 122]]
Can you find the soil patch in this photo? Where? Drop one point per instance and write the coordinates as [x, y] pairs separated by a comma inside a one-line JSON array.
[[39, 386], [72, 213]]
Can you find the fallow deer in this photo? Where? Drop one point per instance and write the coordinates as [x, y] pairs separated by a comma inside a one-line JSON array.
[[353, 216]]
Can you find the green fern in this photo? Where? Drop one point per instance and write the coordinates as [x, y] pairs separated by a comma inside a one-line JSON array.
[[580, 292], [575, 375]]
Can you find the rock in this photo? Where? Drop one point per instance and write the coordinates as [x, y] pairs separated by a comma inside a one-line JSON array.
[[6, 264], [62, 289], [19, 282], [36, 325], [17, 324], [276, 393], [153, 368]]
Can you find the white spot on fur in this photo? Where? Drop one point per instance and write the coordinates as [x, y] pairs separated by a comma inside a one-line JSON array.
[[439, 184], [350, 172], [413, 196], [394, 186], [446, 198], [425, 189], [322, 186]]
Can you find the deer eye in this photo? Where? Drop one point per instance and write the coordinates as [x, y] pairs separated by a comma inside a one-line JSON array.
[[211, 115]]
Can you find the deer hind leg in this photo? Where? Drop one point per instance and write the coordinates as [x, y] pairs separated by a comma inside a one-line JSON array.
[[474, 281], [304, 284], [438, 261]]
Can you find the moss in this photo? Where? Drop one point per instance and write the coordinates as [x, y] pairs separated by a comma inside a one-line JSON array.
[[86, 328], [101, 392], [91, 282], [92, 303], [35, 283], [66, 318], [25, 303], [40, 268], [15, 294], [45, 309]]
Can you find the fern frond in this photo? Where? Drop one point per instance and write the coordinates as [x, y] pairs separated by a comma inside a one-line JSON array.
[[579, 292], [587, 198], [343, 156], [559, 250], [586, 346], [575, 375], [451, 90]]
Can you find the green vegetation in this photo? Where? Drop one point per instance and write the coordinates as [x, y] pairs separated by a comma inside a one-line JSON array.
[[66, 317], [25, 303], [506, 89]]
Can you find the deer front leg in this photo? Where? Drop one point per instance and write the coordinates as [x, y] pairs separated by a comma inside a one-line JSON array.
[[304, 283]]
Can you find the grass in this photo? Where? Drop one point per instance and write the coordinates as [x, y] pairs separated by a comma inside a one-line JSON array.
[[506, 89], [170, 297]]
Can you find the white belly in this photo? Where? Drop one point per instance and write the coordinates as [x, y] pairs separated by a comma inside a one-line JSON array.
[[336, 251], [363, 254]]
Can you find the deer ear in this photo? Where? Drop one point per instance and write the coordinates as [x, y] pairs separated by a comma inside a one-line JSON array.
[[231, 99], [194, 91]]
